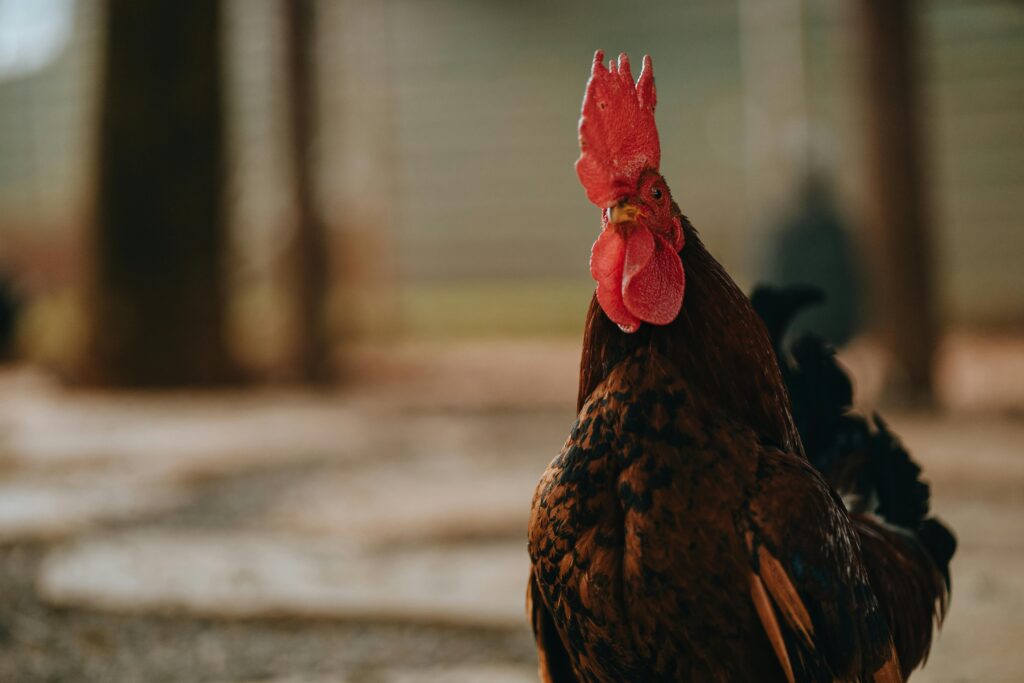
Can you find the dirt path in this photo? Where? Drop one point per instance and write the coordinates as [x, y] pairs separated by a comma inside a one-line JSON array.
[[375, 537]]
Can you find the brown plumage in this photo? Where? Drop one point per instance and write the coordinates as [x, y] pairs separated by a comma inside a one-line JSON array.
[[681, 505], [684, 477], [682, 534]]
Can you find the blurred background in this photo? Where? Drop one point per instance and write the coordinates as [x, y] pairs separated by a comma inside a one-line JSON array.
[[291, 297]]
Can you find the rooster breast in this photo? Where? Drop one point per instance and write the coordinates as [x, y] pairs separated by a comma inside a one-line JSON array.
[[635, 548], [669, 543]]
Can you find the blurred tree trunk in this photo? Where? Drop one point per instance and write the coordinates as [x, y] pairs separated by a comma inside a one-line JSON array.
[[157, 308], [900, 226], [309, 256]]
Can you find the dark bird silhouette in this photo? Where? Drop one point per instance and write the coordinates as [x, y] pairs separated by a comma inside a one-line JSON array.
[[10, 309]]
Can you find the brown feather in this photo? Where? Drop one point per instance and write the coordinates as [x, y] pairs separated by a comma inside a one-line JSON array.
[[771, 624], [785, 596], [890, 671], [553, 661]]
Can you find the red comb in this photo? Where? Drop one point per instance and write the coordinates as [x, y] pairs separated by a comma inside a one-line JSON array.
[[618, 138]]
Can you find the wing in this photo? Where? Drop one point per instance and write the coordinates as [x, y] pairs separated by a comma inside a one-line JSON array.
[[809, 584], [552, 657]]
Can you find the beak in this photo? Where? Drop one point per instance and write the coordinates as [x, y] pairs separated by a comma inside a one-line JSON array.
[[623, 212]]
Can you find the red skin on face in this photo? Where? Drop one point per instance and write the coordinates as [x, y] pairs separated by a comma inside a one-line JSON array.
[[636, 264]]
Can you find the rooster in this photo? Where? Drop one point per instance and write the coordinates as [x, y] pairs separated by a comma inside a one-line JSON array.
[[682, 534]]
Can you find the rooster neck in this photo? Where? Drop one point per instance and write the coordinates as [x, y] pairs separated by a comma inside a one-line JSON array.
[[717, 344]]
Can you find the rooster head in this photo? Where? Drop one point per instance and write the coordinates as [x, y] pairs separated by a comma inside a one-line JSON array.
[[635, 260]]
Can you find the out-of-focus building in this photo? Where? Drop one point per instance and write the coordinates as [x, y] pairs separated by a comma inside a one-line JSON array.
[[448, 138]]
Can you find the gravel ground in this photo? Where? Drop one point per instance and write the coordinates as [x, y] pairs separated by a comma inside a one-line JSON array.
[[39, 642], [445, 461]]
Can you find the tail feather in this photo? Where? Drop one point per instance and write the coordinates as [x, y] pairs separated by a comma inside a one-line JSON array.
[[908, 551], [903, 498], [940, 543], [909, 588]]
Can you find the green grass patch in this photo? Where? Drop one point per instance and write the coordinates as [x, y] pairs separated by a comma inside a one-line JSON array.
[[495, 308]]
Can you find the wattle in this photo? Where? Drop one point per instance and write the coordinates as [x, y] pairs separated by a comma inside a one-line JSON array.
[[639, 277]]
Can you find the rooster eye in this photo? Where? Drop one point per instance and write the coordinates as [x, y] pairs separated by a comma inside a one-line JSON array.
[[656, 192]]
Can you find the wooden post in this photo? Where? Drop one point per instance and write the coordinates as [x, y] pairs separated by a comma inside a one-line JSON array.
[[900, 249], [157, 289], [309, 257]]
